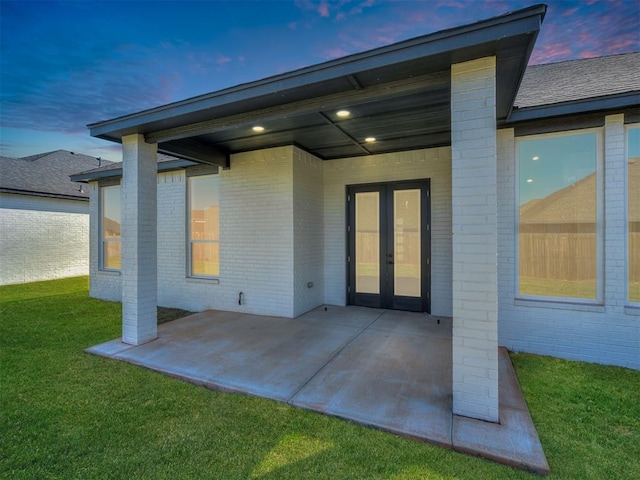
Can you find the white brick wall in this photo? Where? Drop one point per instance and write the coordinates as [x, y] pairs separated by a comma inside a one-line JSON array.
[[273, 234], [42, 238], [256, 238], [475, 289], [602, 334], [308, 229], [417, 164], [256, 228]]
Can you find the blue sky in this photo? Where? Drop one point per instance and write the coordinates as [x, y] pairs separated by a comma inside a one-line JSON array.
[[64, 64]]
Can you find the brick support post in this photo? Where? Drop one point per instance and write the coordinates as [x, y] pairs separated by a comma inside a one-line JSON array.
[[474, 218], [139, 240]]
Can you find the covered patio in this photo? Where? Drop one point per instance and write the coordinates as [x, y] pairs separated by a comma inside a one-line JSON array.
[[387, 369]]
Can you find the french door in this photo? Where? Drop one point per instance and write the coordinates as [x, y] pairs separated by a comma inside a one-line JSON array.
[[388, 257]]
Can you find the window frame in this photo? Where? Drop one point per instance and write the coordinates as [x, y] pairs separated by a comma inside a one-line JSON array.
[[599, 297], [627, 248], [198, 172], [102, 239]]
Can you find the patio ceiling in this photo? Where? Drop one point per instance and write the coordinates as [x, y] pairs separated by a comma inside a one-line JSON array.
[[398, 94]]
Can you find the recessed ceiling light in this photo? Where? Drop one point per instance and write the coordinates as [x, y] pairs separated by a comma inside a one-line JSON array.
[[343, 113], [258, 129], [370, 139], [529, 180], [536, 158]]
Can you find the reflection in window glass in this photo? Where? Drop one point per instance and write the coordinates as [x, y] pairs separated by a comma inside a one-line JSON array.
[[367, 242], [110, 224], [633, 199], [557, 216], [406, 240], [204, 232]]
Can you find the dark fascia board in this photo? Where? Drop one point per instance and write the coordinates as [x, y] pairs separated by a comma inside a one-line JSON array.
[[451, 41], [597, 104], [44, 194], [86, 177]]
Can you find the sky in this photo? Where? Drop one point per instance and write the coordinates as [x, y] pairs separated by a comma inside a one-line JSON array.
[[65, 64]]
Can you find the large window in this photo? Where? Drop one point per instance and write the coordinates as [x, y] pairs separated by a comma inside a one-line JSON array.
[[633, 212], [204, 231], [558, 204], [110, 228]]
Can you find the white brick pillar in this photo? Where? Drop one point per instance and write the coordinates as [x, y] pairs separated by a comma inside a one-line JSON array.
[[139, 240], [615, 288], [475, 227]]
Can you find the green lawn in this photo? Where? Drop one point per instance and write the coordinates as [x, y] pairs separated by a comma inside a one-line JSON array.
[[557, 288], [634, 291], [66, 414]]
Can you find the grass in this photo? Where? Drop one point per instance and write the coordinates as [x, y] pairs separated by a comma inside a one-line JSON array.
[[547, 287], [634, 291], [66, 414]]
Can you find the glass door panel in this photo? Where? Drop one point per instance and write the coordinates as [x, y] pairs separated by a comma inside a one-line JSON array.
[[367, 251], [389, 245], [407, 243]]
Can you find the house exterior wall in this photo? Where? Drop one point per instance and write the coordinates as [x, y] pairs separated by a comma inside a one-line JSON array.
[[434, 164], [271, 202], [42, 238], [256, 240], [256, 229], [607, 333], [308, 228]]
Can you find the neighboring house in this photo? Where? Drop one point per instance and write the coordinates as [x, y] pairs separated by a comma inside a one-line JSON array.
[[44, 217], [407, 177]]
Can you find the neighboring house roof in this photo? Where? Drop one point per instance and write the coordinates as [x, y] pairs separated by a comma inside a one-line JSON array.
[[579, 79], [46, 174], [576, 203], [165, 163]]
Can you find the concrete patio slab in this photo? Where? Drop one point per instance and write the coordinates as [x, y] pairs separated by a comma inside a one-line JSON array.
[[264, 356], [397, 382], [387, 369], [514, 440]]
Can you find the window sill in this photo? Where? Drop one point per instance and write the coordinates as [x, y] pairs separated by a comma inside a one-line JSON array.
[[114, 273], [210, 281], [560, 305], [632, 310]]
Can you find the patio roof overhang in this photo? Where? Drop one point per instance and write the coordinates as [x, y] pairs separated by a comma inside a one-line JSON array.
[[399, 94]]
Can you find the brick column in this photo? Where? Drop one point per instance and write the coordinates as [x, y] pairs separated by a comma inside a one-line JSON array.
[[475, 279], [615, 287], [139, 241]]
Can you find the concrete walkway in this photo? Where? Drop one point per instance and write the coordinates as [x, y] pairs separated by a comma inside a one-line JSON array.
[[382, 368]]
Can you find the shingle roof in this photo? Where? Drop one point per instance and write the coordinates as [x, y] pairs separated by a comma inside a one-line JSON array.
[[579, 79], [46, 174]]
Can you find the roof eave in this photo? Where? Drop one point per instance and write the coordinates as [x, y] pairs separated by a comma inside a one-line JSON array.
[[90, 176], [44, 194]]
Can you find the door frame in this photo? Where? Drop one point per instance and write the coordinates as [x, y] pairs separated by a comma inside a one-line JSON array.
[[386, 299]]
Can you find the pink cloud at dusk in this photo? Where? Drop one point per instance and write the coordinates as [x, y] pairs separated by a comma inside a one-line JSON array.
[[571, 29], [222, 60]]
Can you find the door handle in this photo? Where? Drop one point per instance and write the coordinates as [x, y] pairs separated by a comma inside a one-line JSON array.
[[390, 262]]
